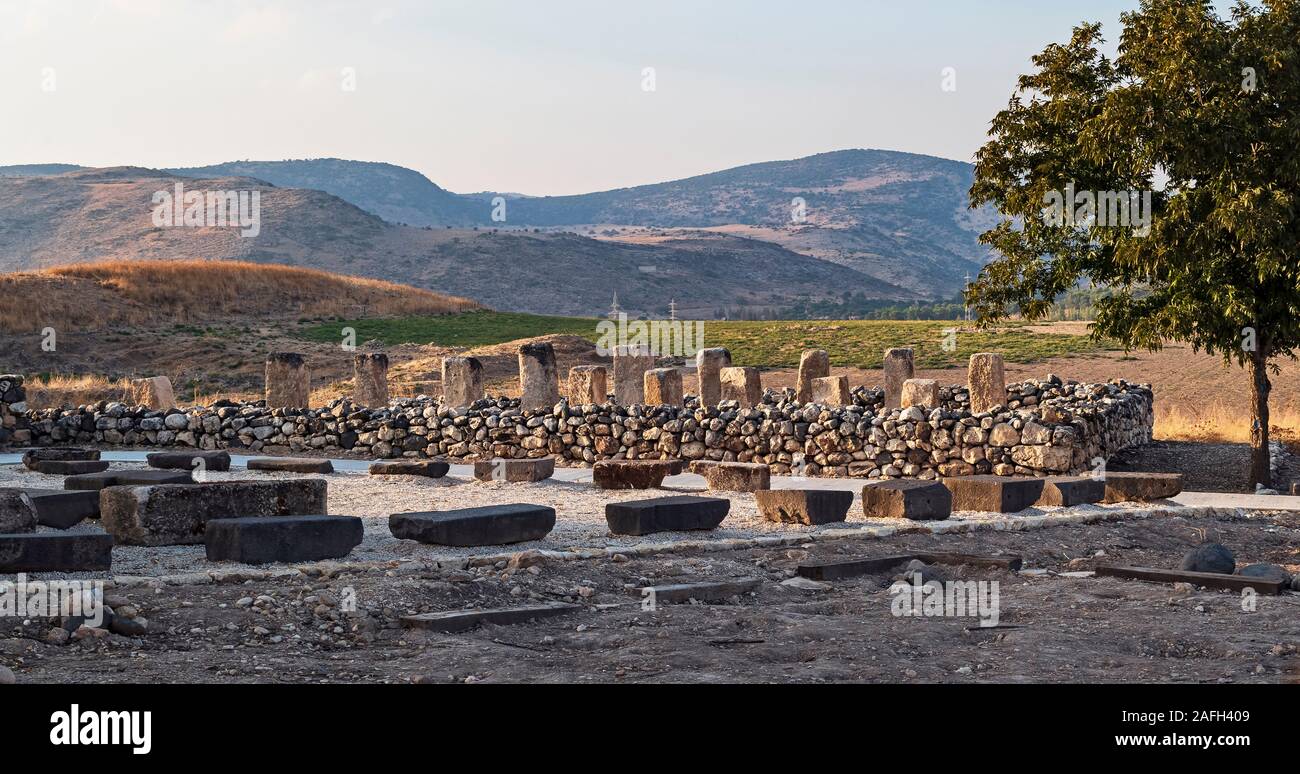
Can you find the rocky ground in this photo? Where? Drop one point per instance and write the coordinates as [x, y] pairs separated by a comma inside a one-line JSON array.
[[294, 627]]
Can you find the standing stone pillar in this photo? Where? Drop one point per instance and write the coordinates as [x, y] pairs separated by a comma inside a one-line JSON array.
[[370, 379], [663, 387], [630, 365], [588, 384], [539, 378], [708, 367], [743, 385], [898, 369], [987, 378], [154, 393], [462, 381], [831, 391], [813, 364], [923, 393], [288, 382]]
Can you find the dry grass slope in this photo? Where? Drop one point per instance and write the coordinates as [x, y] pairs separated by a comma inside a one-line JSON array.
[[111, 294]]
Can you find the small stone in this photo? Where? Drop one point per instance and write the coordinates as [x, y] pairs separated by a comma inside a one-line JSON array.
[[1210, 557], [805, 584], [7, 676]]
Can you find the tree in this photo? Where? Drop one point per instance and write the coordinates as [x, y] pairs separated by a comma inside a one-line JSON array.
[[1202, 114]]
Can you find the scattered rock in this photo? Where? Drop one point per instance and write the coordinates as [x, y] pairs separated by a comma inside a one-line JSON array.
[[1210, 557]]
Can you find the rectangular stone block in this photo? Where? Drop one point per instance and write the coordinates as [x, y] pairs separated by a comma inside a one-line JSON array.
[[154, 393], [266, 539], [515, 471], [61, 509], [733, 476], [993, 494], [489, 525], [32, 456], [291, 465], [97, 481], [708, 367], [1123, 487], [630, 365], [803, 506], [663, 387], [1072, 490], [907, 499], [288, 382], [370, 379], [813, 364], [539, 377], [588, 384], [425, 468], [632, 474], [68, 467], [898, 365], [666, 514], [922, 393], [742, 384], [56, 552], [831, 391], [17, 511], [184, 460], [987, 379], [462, 381], [453, 621], [177, 514]]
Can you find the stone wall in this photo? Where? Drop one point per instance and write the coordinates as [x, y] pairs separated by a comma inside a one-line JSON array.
[[1046, 427]]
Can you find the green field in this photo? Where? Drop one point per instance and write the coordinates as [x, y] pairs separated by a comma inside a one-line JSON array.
[[857, 343]]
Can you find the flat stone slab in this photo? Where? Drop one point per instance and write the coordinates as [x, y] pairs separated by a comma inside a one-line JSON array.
[[463, 620], [291, 465], [61, 453], [836, 569], [1210, 580], [176, 514], [679, 593], [1071, 490], [907, 499], [803, 506], [97, 481], [733, 476], [666, 514], [56, 552], [212, 460], [632, 474], [993, 494], [17, 512], [61, 509], [265, 539], [68, 467], [1124, 487], [489, 525], [514, 471], [426, 468]]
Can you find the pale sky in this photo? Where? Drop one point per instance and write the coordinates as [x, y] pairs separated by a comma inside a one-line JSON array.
[[534, 96]]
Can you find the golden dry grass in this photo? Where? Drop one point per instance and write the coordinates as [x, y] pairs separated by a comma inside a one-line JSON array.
[[95, 296], [1222, 423], [73, 390]]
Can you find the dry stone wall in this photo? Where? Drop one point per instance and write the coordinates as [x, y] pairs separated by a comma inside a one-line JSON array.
[[1045, 427]]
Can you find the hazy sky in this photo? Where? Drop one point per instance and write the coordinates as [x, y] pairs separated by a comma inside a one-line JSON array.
[[534, 96]]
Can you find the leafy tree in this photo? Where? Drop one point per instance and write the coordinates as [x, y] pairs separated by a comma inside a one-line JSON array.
[[1199, 110]]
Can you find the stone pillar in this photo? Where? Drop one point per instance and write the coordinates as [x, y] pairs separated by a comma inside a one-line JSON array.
[[630, 365], [462, 381], [370, 379], [539, 378], [987, 378], [708, 366], [154, 392], [813, 364], [588, 384], [923, 393], [288, 382], [898, 369], [831, 391], [742, 384], [663, 387]]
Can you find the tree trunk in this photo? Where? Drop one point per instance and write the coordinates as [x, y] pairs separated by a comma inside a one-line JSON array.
[[1260, 386]]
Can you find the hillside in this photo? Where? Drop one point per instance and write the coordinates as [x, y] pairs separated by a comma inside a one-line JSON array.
[[106, 214]]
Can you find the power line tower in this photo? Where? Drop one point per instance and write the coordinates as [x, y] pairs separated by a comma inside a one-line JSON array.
[[672, 310], [614, 309], [964, 301]]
